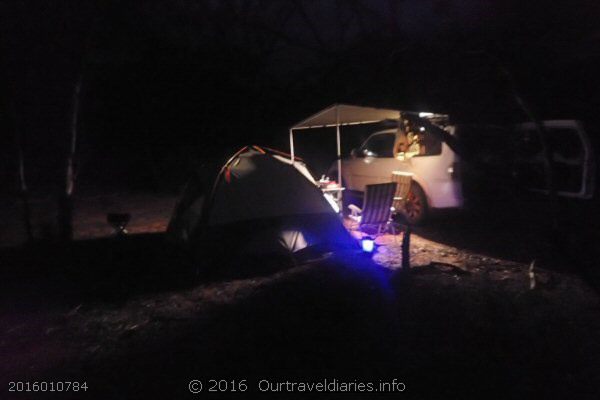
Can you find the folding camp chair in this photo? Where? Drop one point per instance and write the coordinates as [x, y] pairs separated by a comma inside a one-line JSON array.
[[377, 208], [404, 180]]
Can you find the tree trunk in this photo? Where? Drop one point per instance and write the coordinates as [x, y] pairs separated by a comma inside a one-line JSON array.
[[23, 190], [65, 206]]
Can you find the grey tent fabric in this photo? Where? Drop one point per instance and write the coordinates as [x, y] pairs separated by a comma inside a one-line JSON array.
[[260, 203], [257, 186]]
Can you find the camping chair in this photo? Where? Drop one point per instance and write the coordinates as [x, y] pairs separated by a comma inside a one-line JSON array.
[[404, 180], [377, 208]]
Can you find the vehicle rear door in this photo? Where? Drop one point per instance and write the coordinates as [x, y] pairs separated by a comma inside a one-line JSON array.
[[571, 157]]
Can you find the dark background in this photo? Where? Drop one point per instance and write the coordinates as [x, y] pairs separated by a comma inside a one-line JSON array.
[[166, 85]]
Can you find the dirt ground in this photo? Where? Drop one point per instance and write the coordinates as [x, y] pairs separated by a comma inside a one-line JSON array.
[[135, 321]]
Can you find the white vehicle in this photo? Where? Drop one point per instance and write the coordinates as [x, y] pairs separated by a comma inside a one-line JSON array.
[[571, 157], [435, 167], [430, 161]]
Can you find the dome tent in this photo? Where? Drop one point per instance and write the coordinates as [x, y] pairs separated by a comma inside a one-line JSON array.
[[261, 203]]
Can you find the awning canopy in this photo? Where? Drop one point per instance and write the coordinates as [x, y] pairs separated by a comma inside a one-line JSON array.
[[338, 115], [344, 114]]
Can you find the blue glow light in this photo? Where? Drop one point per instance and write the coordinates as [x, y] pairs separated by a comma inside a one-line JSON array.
[[368, 244]]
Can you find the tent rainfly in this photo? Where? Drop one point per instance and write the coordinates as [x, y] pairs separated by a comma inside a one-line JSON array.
[[339, 115], [259, 203]]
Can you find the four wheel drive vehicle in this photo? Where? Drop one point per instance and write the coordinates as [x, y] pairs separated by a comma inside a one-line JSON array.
[[513, 153], [571, 158]]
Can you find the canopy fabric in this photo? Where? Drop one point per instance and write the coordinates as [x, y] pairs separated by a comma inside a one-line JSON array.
[[338, 115], [345, 114]]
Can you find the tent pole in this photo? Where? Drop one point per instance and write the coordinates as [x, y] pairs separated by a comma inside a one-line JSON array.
[[339, 154], [292, 145]]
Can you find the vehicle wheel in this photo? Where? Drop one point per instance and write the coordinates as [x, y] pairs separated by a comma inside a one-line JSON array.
[[415, 207]]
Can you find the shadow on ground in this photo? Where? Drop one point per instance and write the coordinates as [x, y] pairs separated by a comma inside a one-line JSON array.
[[524, 230], [111, 269], [132, 319]]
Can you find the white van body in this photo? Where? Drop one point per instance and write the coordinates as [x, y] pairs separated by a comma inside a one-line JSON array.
[[435, 171], [571, 157]]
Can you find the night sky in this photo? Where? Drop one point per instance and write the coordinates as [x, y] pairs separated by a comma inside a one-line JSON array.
[[166, 85]]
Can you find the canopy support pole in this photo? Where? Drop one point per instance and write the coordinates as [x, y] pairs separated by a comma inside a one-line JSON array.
[[292, 145], [339, 154]]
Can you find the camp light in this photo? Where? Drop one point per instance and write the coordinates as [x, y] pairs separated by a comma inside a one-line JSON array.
[[367, 244]]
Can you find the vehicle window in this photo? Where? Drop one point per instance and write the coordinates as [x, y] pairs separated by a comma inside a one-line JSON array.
[[567, 153], [528, 144], [379, 145], [428, 144], [417, 141], [565, 143]]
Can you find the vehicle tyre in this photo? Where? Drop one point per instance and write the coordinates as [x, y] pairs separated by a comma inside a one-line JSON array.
[[415, 207]]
